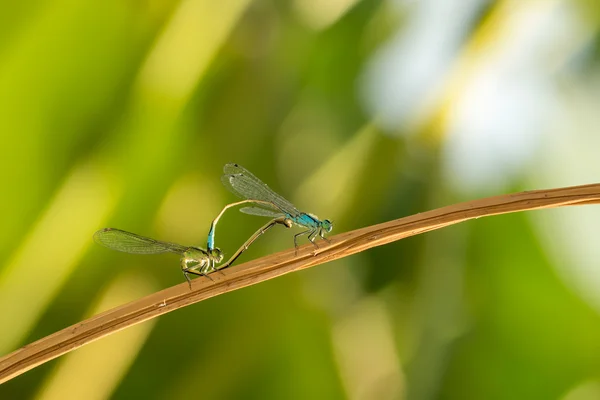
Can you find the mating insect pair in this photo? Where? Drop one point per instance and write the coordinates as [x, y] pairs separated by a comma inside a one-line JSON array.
[[197, 261]]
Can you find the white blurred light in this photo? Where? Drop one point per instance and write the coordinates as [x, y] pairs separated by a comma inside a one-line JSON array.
[[407, 74], [570, 157], [508, 100], [496, 98]]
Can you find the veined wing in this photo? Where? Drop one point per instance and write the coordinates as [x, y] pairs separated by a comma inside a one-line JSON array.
[[262, 212], [128, 242], [244, 184]]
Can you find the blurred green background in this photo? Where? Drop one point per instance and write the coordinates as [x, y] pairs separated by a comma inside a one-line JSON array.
[[122, 113]]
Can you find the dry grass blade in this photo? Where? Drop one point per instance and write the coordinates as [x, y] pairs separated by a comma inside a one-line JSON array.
[[274, 265]]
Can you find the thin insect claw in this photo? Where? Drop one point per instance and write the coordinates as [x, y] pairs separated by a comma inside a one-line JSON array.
[[296, 239], [187, 278], [311, 238], [215, 269]]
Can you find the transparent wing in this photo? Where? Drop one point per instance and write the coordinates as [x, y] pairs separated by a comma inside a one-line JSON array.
[[263, 212], [244, 184], [128, 242]]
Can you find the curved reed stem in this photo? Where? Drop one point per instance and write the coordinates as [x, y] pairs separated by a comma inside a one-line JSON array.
[[274, 265]]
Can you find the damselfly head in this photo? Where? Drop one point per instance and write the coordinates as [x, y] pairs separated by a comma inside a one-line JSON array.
[[327, 225], [216, 255]]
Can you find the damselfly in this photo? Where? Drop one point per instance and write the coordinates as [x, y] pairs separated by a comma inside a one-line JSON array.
[[194, 260], [244, 184]]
